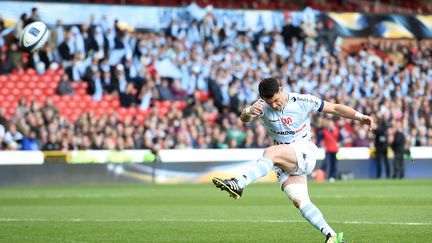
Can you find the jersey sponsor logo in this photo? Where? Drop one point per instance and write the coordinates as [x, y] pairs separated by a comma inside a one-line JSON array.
[[287, 121], [293, 99], [289, 132], [282, 132], [301, 128], [309, 100]]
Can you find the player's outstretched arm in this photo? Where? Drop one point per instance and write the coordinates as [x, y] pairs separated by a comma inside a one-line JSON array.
[[348, 112], [252, 112]]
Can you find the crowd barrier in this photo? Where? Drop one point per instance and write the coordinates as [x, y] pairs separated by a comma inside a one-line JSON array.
[[173, 166]]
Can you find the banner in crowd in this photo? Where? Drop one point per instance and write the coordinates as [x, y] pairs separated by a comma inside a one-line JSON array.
[[381, 25], [174, 173], [110, 156], [145, 17]]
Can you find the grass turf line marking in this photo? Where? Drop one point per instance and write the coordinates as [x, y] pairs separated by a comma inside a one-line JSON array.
[[56, 196], [208, 221]]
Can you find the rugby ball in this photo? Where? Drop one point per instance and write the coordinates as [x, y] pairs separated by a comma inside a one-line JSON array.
[[34, 36]]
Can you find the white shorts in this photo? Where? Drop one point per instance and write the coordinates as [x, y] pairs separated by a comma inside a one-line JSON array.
[[306, 153]]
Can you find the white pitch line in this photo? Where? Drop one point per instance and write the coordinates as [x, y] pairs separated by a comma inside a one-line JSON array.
[[208, 221], [56, 196]]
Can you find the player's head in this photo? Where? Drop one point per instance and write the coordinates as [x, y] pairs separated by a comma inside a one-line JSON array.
[[271, 92]]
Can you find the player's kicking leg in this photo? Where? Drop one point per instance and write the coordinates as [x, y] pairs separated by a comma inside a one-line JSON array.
[[264, 165], [235, 186], [278, 153], [295, 187]]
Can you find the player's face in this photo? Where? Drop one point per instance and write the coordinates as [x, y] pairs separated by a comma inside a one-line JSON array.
[[277, 101]]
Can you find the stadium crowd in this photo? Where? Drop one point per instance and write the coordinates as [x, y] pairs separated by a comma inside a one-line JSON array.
[[388, 79]]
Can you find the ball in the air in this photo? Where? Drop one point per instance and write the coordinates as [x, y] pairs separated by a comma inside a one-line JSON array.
[[34, 36]]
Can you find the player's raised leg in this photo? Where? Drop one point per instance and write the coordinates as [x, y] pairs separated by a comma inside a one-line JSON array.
[[282, 156], [295, 187], [234, 186]]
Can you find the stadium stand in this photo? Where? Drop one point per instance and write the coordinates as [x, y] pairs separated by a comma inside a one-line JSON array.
[[101, 99]]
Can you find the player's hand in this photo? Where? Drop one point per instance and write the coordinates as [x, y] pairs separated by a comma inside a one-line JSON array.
[[257, 108], [367, 120]]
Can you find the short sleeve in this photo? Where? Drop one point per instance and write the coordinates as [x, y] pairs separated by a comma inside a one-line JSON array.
[[311, 103]]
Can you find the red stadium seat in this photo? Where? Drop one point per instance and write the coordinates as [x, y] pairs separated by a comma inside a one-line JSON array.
[[15, 92], [47, 78], [30, 71], [19, 85], [10, 97], [180, 104], [163, 104], [202, 96], [162, 111], [13, 77], [55, 98], [114, 103], [210, 117], [53, 85], [5, 103], [31, 85], [24, 78], [41, 85]]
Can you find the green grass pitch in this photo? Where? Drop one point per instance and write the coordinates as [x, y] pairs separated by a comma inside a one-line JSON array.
[[366, 211]]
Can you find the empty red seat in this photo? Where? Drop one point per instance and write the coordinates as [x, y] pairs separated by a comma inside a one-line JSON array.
[[180, 104], [162, 111], [55, 98], [47, 79], [31, 84], [13, 77], [30, 71], [35, 78]]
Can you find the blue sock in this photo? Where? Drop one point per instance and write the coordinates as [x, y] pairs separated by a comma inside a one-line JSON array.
[[260, 169], [312, 214]]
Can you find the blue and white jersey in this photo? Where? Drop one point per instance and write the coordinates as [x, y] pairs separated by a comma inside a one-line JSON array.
[[292, 123]]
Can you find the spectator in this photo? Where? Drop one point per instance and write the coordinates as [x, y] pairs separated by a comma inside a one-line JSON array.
[[398, 147], [30, 141], [57, 34], [66, 49], [164, 91], [52, 144], [128, 98], [21, 23], [381, 146], [12, 136], [74, 71], [6, 64], [289, 31], [64, 86], [15, 56], [34, 15], [95, 86], [331, 145]]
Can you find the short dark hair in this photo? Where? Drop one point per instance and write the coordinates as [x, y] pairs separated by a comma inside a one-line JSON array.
[[268, 87]]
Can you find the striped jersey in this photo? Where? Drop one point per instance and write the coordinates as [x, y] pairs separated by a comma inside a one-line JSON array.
[[292, 123]]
